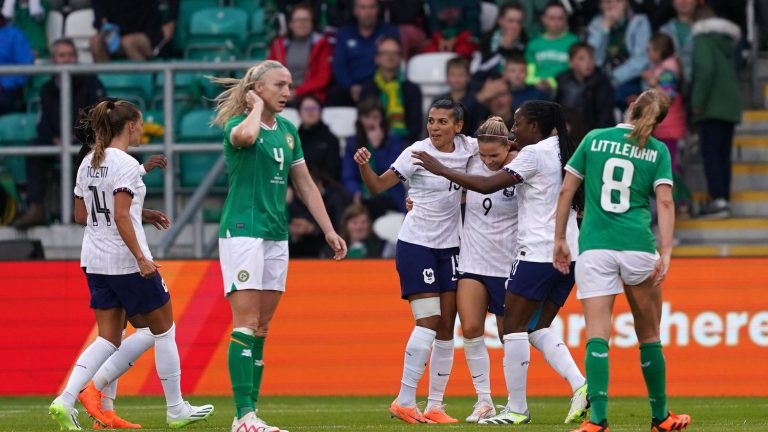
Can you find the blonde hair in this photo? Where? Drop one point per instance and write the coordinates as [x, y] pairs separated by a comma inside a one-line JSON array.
[[493, 129], [231, 101], [106, 120], [648, 110]]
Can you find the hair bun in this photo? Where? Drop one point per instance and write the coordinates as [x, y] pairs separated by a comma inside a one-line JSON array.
[[110, 105]]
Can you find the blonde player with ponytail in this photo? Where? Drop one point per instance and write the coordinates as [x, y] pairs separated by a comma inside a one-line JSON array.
[[622, 168], [261, 150]]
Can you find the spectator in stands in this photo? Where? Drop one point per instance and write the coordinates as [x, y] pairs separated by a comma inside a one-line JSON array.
[[400, 98], [29, 16], [361, 241], [306, 53], [455, 26], [679, 29], [132, 29], [620, 39], [504, 42], [501, 104], [320, 145], [14, 50], [584, 91], [372, 132], [665, 74], [515, 74], [715, 102], [410, 19], [547, 54], [86, 91], [354, 54], [458, 78]]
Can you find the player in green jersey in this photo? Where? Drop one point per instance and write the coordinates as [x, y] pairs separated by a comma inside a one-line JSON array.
[[261, 150], [622, 168]]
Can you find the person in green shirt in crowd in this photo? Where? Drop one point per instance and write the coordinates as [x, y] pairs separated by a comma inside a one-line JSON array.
[[622, 168], [261, 150], [547, 54]]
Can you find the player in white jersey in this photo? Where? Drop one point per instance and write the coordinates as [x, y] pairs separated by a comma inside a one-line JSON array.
[[427, 254], [488, 241], [122, 278], [538, 169]]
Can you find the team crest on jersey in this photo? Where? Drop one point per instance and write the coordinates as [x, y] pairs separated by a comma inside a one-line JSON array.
[[289, 141], [243, 276], [509, 192], [429, 276]]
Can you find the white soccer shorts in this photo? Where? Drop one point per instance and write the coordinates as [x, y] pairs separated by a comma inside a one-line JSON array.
[[600, 272], [253, 263]]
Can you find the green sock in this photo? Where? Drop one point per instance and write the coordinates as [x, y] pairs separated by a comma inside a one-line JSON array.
[[258, 368], [597, 378], [240, 362], [655, 373]]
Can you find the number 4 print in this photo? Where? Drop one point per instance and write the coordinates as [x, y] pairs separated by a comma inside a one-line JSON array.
[[96, 206]]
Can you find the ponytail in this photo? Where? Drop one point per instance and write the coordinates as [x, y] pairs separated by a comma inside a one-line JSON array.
[[103, 122], [493, 129], [648, 110], [231, 101]]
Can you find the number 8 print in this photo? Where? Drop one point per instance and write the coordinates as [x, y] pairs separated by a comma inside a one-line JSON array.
[[610, 185]]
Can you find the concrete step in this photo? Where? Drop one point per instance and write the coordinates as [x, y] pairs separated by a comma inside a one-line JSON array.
[[750, 149], [749, 176], [753, 122], [742, 231], [720, 250]]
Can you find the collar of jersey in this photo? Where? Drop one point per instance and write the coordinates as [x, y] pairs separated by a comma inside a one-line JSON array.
[[265, 126], [625, 126]]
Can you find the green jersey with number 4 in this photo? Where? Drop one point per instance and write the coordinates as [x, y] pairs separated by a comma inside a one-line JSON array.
[[258, 181], [619, 180]]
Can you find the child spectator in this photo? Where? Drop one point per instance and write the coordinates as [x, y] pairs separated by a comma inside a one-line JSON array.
[[455, 26], [584, 90], [458, 77], [507, 40], [516, 74], [320, 145], [679, 29], [547, 54], [361, 241], [665, 74]]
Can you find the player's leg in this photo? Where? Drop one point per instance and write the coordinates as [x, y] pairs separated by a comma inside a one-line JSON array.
[[136, 46], [472, 301], [644, 300]]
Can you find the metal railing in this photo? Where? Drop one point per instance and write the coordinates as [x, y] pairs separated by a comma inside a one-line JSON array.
[[169, 147]]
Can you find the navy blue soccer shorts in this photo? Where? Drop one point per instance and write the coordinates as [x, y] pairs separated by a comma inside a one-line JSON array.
[[426, 270], [137, 295], [494, 286], [540, 281]]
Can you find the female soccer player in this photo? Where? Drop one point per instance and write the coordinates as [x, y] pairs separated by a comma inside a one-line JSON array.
[[622, 167], [488, 240], [261, 150], [541, 130], [121, 275], [426, 256]]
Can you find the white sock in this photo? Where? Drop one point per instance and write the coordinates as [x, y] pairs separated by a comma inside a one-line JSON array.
[[168, 367], [85, 367], [440, 365], [414, 363], [130, 350], [559, 357], [479, 365], [517, 356]]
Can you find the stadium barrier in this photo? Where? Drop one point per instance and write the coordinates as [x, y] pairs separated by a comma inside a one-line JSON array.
[[341, 329]]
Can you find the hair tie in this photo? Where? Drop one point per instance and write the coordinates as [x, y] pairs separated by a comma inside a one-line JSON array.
[[492, 136], [110, 105]]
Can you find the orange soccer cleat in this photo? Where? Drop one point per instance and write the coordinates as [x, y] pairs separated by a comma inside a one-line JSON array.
[[407, 414], [588, 426], [115, 422], [438, 415], [673, 422], [90, 397]]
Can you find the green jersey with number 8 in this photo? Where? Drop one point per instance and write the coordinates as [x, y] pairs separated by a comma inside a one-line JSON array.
[[258, 181], [619, 180]]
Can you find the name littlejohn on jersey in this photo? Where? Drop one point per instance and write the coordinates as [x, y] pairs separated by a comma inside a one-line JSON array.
[[624, 149]]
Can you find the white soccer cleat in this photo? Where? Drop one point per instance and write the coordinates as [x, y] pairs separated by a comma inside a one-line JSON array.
[[191, 414], [507, 417], [579, 406], [251, 423], [482, 410]]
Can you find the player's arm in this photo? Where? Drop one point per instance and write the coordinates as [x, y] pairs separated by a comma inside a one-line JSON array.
[[485, 185], [245, 134], [81, 213], [665, 208], [307, 191], [125, 227], [561, 256], [375, 183]]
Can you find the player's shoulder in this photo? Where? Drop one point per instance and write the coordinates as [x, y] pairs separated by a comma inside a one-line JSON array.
[[234, 121], [423, 145], [285, 124]]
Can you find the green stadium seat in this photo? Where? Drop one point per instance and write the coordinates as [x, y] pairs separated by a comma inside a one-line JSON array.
[[134, 87], [17, 129], [212, 53], [260, 35], [248, 5], [217, 27], [193, 167], [186, 9]]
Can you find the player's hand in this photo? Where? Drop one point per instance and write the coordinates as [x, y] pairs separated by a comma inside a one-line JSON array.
[[428, 162], [408, 204], [561, 256], [362, 156], [147, 268], [155, 217], [338, 245], [661, 268], [253, 101], [155, 161]]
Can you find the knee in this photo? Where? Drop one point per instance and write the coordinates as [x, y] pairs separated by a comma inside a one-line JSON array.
[[261, 329], [472, 330], [431, 322]]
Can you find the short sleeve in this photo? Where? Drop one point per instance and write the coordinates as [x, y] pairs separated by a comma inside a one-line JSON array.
[[231, 124], [403, 165], [663, 168], [525, 165], [298, 151], [577, 164], [127, 179], [79, 192]]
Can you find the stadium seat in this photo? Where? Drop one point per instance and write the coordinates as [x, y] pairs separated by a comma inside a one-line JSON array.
[[79, 27], [193, 167], [217, 27], [428, 71], [488, 14], [388, 226], [260, 35], [292, 115], [54, 26], [129, 86], [248, 4], [341, 120], [186, 9], [17, 129]]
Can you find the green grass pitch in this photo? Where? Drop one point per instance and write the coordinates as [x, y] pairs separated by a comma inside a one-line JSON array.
[[305, 414]]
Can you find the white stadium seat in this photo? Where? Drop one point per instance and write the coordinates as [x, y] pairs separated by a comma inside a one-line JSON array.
[[387, 227], [54, 26], [292, 115], [79, 27], [341, 120], [488, 14], [428, 72]]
